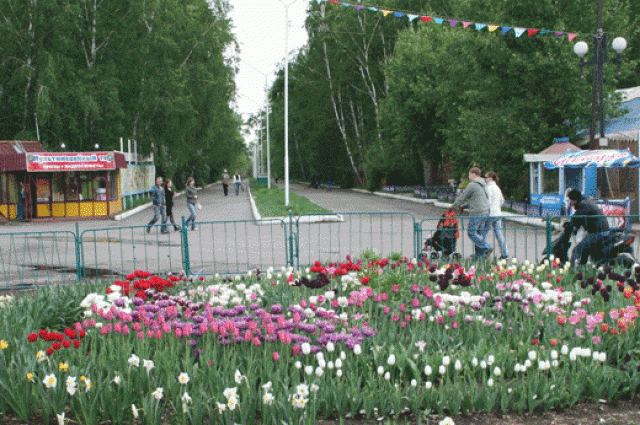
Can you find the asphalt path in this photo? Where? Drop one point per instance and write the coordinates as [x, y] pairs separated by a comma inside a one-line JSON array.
[[229, 240]]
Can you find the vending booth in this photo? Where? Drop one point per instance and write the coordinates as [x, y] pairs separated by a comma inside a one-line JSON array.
[[48, 185]]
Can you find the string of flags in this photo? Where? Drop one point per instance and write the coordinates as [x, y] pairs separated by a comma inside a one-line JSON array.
[[518, 31]]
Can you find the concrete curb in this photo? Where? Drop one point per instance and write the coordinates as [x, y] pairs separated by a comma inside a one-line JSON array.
[[142, 207], [260, 221]]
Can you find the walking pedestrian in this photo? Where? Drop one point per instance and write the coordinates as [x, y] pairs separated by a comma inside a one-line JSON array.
[[192, 201], [168, 195], [159, 203], [237, 181], [475, 198], [496, 199], [225, 182]]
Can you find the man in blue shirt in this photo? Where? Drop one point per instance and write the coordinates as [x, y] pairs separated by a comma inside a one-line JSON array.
[[159, 205]]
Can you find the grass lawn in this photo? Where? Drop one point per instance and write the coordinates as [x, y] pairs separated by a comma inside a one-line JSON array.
[[270, 202]]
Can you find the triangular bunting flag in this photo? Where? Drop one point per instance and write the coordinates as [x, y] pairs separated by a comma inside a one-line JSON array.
[[544, 32], [346, 4], [385, 12], [438, 20], [571, 36], [426, 18], [373, 9], [412, 17], [480, 26], [519, 31], [505, 30], [398, 14], [466, 24], [492, 28], [334, 2], [453, 23], [531, 31], [359, 7], [558, 34]]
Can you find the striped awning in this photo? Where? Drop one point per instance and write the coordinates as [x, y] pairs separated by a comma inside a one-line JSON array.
[[606, 158]]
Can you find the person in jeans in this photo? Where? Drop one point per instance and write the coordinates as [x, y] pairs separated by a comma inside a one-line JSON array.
[[476, 200], [192, 200], [588, 215], [168, 195], [225, 182], [496, 199], [237, 181], [159, 203]]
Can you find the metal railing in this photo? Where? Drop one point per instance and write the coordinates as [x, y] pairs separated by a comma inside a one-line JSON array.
[[233, 247]]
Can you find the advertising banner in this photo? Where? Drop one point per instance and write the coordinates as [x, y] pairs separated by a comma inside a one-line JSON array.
[[70, 161]]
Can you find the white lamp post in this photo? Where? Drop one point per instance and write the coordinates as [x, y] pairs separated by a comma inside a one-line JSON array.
[[286, 103]]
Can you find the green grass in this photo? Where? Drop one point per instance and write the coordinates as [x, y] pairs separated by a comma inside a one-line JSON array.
[[270, 203]]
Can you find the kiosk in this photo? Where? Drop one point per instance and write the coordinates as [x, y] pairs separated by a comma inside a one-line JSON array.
[[40, 184]]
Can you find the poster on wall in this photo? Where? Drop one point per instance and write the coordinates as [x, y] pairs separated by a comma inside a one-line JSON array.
[[137, 178], [42, 189], [70, 161]]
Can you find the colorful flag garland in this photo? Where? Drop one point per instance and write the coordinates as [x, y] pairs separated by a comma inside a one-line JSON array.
[[518, 31]]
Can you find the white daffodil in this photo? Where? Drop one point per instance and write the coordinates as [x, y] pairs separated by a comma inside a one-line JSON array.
[[183, 378], [50, 381], [117, 380], [268, 399], [267, 386], [148, 365], [134, 360], [238, 377], [428, 385], [308, 369], [72, 385], [158, 393], [427, 370], [134, 410], [186, 398], [221, 407], [230, 393]]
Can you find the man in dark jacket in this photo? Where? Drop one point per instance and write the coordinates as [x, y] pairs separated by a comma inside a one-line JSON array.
[[159, 204], [589, 215]]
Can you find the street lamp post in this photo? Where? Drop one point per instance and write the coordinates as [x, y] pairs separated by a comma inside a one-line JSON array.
[[286, 103], [599, 58]]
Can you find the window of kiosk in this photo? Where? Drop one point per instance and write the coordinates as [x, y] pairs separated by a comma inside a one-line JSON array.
[[43, 189], [100, 187], [57, 187], [86, 187], [72, 186], [112, 187], [550, 181]]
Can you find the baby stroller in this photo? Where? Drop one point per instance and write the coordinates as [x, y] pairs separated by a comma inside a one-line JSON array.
[[444, 240]]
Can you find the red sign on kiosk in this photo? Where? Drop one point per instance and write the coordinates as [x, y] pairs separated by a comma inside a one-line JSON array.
[[70, 161]]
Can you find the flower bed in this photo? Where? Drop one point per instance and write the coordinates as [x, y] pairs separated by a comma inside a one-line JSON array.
[[372, 338]]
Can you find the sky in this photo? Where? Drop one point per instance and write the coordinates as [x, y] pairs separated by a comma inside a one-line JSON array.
[[259, 27]]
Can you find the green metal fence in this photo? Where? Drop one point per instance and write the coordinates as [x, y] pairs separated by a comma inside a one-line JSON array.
[[233, 247], [29, 259]]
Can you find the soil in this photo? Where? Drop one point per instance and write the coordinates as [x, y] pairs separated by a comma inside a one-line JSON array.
[[620, 413]]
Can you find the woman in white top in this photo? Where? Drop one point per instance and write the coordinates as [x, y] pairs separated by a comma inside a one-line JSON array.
[[496, 199], [237, 180]]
